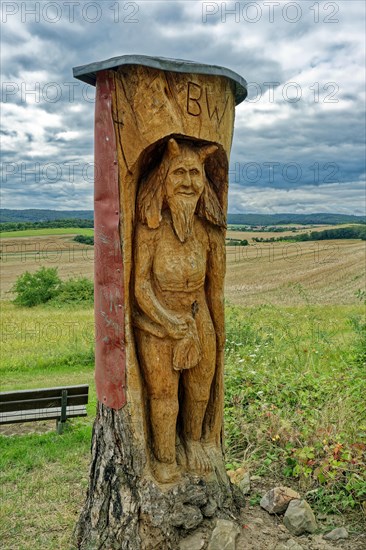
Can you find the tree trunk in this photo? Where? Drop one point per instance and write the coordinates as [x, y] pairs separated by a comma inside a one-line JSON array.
[[163, 135], [127, 511]]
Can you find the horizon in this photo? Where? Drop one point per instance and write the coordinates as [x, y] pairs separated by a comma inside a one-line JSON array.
[[228, 213], [299, 138]]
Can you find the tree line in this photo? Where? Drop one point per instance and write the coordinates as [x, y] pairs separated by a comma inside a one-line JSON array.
[[351, 232], [47, 224]]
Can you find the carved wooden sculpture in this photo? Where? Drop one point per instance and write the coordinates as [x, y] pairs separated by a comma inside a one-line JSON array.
[[163, 138], [179, 271]]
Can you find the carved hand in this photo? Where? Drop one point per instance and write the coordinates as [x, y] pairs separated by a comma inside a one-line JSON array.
[[177, 327]]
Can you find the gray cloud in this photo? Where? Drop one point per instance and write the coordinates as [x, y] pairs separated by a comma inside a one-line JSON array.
[[48, 117]]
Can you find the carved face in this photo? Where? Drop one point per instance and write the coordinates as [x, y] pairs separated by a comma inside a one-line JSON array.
[[184, 184], [185, 177]]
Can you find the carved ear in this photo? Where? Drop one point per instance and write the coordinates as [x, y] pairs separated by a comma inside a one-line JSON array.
[[173, 148], [206, 151]]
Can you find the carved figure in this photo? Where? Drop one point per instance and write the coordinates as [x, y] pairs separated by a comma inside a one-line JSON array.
[[179, 268]]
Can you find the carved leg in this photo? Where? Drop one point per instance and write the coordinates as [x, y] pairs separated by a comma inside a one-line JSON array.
[[193, 415], [194, 410], [162, 390], [163, 413], [197, 386]]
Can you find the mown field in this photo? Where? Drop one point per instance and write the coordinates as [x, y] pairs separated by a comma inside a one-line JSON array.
[[46, 231], [329, 271], [18, 255], [295, 230], [295, 382]]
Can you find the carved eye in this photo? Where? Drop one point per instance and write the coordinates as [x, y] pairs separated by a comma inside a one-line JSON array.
[[194, 172], [179, 172]]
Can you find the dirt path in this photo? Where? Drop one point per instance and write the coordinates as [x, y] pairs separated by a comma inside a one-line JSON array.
[[259, 530], [262, 531]]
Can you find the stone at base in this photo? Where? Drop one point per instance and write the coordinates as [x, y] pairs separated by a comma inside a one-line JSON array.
[[276, 500], [224, 535], [299, 518], [193, 542], [289, 545], [188, 517], [210, 508], [337, 534]]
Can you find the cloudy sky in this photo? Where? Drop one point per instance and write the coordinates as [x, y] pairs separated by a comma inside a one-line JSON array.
[[299, 142]]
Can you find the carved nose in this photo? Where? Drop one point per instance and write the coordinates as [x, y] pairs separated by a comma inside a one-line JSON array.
[[186, 184]]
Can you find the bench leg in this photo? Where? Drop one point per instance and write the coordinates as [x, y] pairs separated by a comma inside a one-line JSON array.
[[60, 423], [60, 427]]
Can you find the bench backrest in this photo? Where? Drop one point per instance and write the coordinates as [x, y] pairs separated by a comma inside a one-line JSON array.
[[47, 399]]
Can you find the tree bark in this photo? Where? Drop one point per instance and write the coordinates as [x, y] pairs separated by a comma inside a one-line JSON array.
[[139, 111], [125, 510]]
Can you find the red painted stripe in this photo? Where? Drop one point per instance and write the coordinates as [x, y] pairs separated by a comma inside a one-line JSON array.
[[110, 355]]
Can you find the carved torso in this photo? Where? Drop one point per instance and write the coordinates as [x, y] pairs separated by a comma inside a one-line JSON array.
[[180, 267]]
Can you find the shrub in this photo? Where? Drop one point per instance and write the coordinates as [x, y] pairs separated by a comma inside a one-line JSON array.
[[36, 288], [76, 290], [84, 239]]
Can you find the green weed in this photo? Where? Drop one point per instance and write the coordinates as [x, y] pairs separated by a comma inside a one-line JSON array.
[[294, 399]]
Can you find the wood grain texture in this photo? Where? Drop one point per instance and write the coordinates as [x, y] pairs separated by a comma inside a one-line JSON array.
[[173, 138]]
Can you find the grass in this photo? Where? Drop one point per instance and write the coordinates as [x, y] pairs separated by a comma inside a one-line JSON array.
[[294, 410], [47, 231], [45, 345], [43, 481], [43, 475]]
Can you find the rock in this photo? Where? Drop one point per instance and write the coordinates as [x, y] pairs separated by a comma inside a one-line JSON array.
[[241, 478], [195, 495], [256, 478], [224, 535], [193, 542], [276, 500], [317, 541], [188, 517], [337, 534], [209, 510], [236, 475], [244, 484], [299, 518], [289, 545]]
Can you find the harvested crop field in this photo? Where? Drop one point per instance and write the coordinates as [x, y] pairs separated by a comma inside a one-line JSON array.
[[329, 272], [324, 272]]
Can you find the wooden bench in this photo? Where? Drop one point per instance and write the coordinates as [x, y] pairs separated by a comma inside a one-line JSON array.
[[44, 404]]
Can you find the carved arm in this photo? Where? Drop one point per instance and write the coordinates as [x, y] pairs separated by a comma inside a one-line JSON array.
[[175, 326], [215, 283]]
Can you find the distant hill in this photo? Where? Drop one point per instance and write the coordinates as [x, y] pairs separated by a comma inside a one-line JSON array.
[[300, 219], [7, 215], [34, 215]]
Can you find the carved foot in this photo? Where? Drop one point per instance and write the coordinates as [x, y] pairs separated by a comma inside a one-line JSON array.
[[197, 459], [165, 472], [181, 456]]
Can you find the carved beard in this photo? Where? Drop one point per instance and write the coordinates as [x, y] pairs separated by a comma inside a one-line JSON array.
[[182, 210]]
